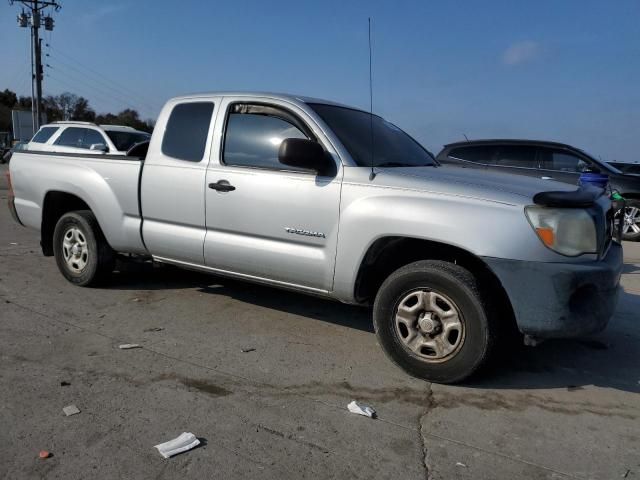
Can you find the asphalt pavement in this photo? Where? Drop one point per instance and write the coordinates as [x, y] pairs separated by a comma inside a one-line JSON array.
[[263, 377]]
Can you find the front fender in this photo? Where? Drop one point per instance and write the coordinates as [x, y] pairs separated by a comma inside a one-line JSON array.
[[481, 227]]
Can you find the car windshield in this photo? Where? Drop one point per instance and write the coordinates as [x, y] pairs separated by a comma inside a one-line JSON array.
[[391, 146], [125, 140]]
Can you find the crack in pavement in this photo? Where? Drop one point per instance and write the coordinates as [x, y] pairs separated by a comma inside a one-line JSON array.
[[430, 403]]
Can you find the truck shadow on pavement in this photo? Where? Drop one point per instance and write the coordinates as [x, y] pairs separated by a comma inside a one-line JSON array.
[[145, 277], [349, 316], [609, 359]]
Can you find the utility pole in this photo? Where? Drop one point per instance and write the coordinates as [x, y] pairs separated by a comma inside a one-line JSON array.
[[34, 20]]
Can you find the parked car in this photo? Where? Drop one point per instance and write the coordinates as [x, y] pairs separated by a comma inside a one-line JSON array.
[[86, 137], [17, 147], [280, 190], [548, 161], [627, 168], [5, 143]]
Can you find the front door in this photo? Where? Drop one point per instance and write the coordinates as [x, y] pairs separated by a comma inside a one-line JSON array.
[[265, 220]]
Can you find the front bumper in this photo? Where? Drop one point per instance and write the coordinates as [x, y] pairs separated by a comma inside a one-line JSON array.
[[561, 300]]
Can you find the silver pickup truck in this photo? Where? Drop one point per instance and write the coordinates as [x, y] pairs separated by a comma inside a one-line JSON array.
[[321, 198]]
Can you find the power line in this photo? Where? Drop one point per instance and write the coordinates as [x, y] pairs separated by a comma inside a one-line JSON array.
[[106, 99], [95, 88], [104, 85], [101, 76]]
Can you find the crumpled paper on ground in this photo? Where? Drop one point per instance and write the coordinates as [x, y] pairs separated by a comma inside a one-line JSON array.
[[186, 441], [361, 409]]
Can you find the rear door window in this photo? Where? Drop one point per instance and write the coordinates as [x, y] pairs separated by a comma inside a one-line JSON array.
[[44, 134], [71, 137], [476, 154], [185, 137], [516, 156]]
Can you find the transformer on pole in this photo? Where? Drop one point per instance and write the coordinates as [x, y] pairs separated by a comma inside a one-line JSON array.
[[33, 18]]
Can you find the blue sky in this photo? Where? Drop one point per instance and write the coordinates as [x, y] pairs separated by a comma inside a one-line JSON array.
[[564, 70]]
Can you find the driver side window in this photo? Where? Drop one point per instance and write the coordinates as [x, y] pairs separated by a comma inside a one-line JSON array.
[[253, 139]]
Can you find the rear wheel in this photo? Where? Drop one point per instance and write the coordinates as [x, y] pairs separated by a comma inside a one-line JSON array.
[[631, 226], [82, 253], [432, 322]]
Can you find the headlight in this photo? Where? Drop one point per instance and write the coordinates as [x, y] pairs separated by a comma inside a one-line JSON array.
[[568, 231]]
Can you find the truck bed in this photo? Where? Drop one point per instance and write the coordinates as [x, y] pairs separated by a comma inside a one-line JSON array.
[[109, 185]]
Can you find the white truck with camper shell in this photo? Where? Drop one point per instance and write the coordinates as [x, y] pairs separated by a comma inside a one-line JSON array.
[[328, 200]]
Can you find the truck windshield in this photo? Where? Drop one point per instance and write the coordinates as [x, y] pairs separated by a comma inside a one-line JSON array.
[[391, 146], [125, 140]]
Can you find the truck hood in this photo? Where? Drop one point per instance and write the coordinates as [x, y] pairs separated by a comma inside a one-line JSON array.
[[470, 182]]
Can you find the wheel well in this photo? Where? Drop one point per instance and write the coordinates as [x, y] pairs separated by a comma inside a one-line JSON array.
[[54, 206], [388, 254]]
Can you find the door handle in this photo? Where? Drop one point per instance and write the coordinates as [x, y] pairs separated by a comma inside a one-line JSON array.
[[222, 186], [546, 178]]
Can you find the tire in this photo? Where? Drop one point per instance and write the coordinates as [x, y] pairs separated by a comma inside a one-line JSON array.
[[82, 253], [632, 221], [466, 333]]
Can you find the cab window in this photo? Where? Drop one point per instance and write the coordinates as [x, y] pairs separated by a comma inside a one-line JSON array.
[[253, 136], [185, 136]]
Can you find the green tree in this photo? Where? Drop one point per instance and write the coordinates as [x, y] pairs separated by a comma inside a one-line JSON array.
[[128, 117], [8, 99], [68, 106]]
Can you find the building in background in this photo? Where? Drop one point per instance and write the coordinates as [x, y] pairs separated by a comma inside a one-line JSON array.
[[22, 124]]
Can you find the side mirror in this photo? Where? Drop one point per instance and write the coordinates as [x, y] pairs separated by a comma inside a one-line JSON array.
[[307, 154], [101, 147]]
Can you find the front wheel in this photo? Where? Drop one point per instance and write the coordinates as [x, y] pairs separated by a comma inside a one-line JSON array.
[[432, 322], [631, 226], [82, 253]]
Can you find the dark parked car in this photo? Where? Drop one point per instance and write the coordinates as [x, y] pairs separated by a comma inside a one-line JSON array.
[[628, 168], [550, 161]]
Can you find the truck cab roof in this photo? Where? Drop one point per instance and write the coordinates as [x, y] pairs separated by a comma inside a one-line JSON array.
[[273, 95]]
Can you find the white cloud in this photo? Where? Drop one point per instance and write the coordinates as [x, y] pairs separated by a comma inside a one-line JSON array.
[[100, 13], [521, 52]]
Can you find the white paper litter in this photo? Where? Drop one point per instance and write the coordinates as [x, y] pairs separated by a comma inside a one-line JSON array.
[[186, 441], [70, 410], [128, 346], [360, 409]]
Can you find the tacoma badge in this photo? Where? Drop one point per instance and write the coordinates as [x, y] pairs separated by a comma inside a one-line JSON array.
[[308, 233]]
